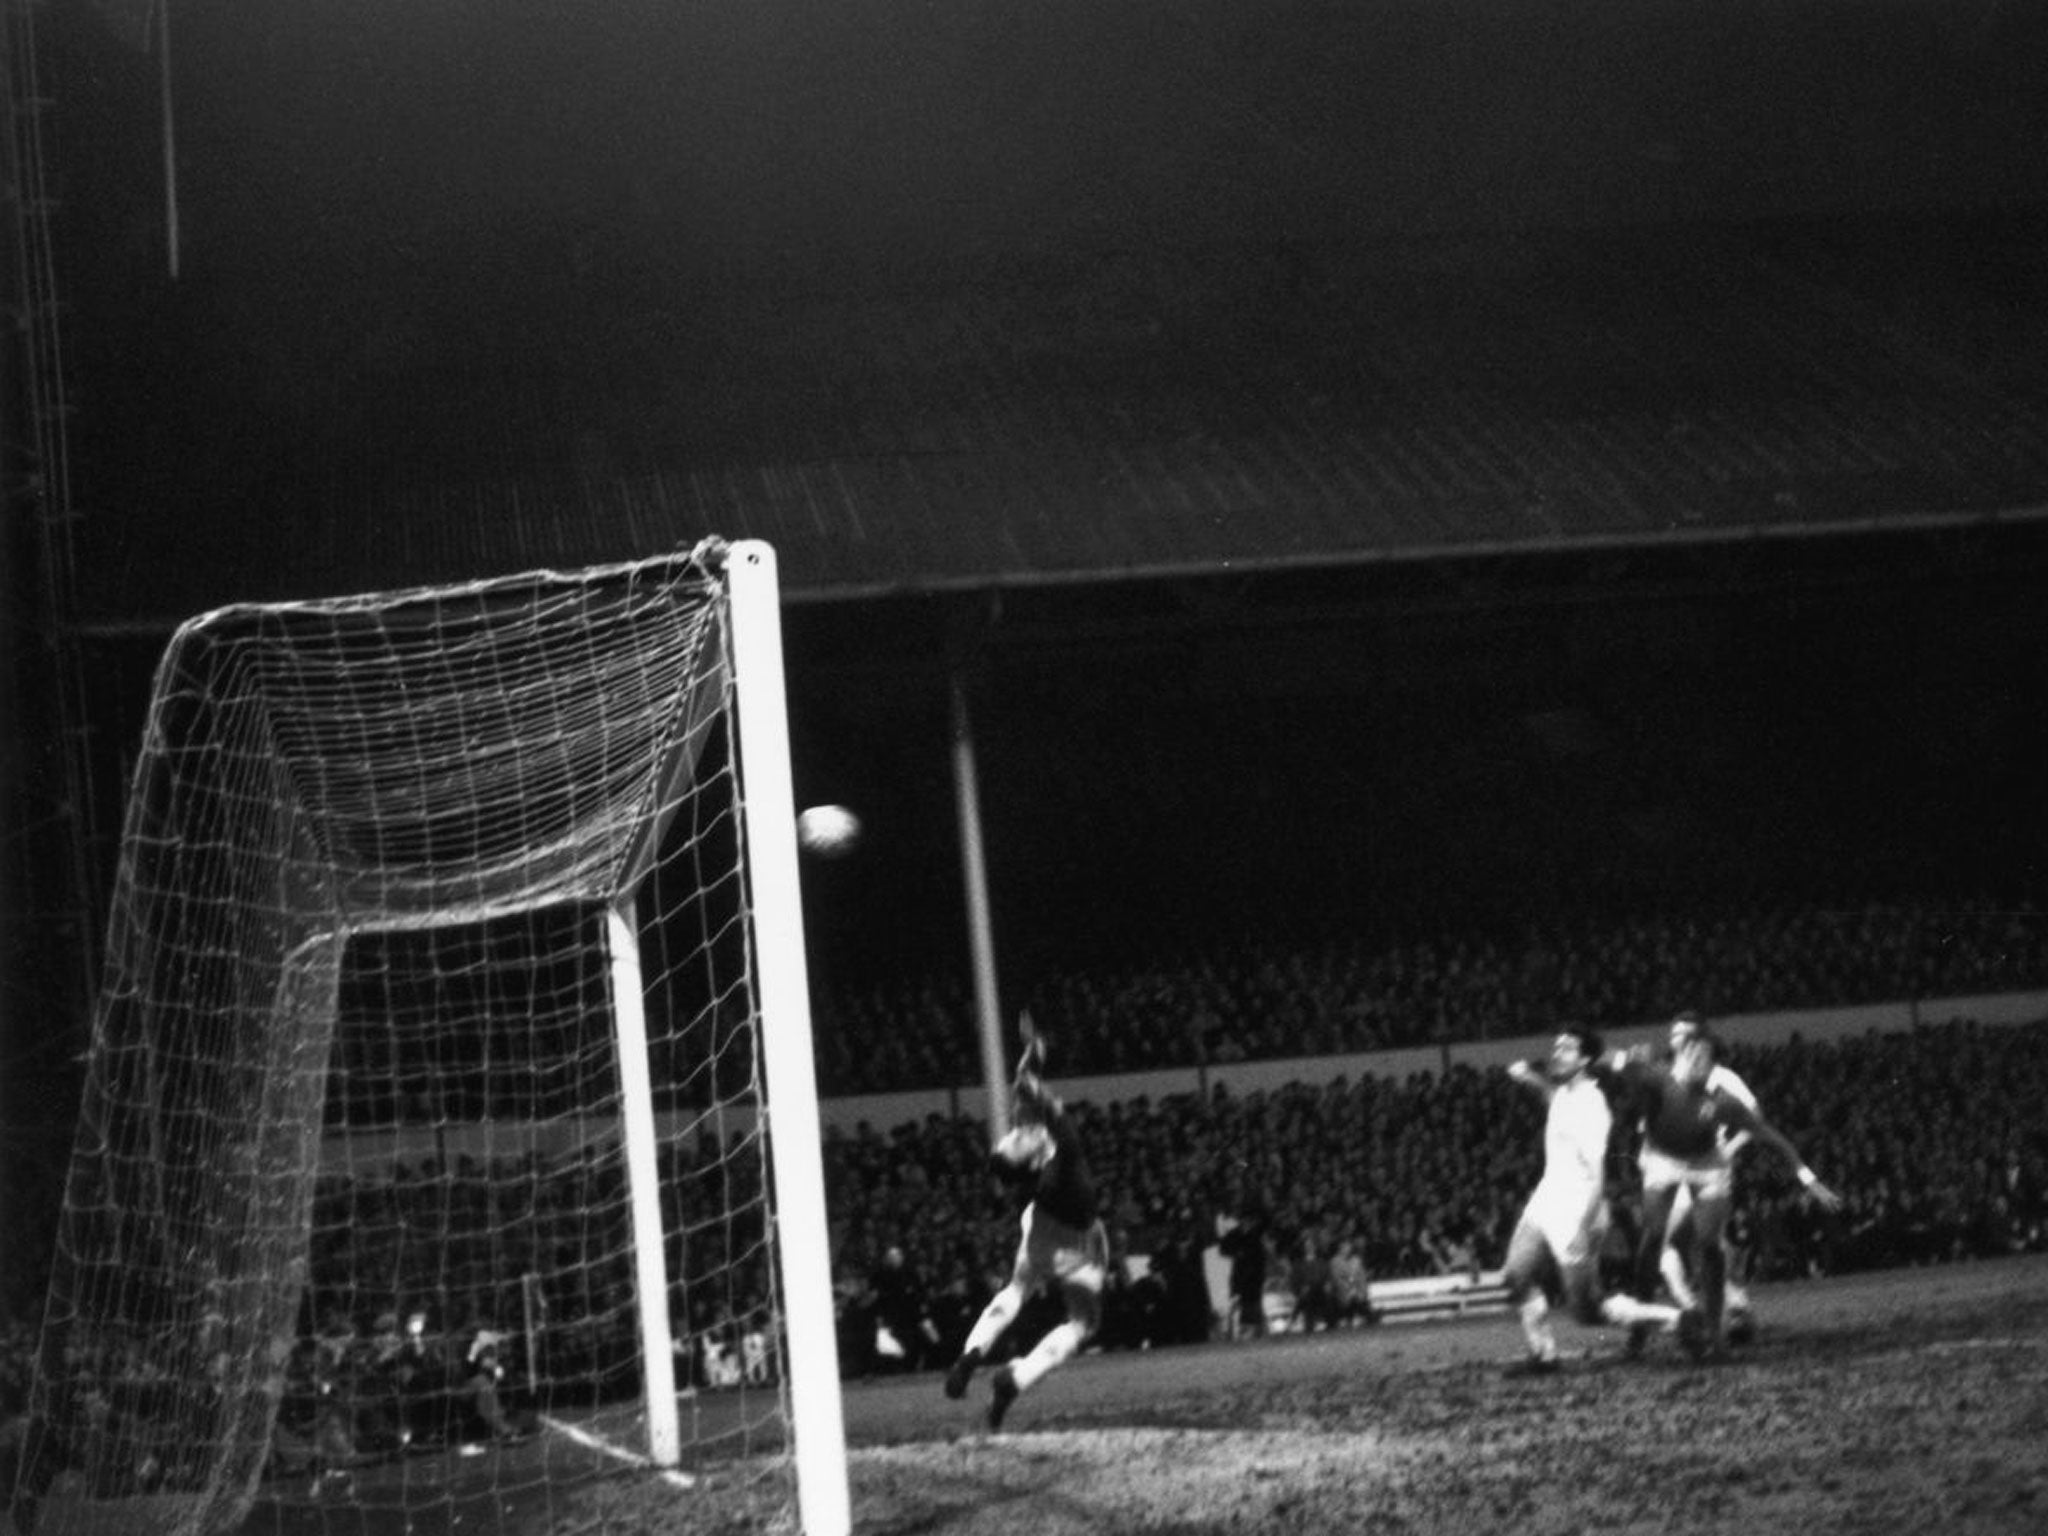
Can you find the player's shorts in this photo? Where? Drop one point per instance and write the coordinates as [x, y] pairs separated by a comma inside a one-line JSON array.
[[1052, 1251], [1709, 1177], [1571, 1222]]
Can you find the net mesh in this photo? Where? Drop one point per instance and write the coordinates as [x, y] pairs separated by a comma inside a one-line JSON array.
[[348, 1221]]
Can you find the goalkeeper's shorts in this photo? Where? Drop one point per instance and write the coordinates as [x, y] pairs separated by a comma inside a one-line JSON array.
[[1051, 1252]]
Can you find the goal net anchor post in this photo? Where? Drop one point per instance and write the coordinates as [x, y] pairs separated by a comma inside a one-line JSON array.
[[818, 1421], [643, 1184]]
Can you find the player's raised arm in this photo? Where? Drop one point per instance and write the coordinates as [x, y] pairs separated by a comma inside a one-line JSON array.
[[1723, 1080], [1531, 1075], [1740, 1117], [1027, 1089]]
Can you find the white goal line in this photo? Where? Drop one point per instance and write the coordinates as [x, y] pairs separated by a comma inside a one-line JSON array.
[[673, 1476]]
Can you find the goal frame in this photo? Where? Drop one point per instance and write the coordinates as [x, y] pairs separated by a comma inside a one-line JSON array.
[[740, 581], [762, 757], [817, 1419]]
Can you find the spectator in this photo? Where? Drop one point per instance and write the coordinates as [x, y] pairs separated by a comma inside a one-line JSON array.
[[1314, 1305], [1243, 1243], [907, 1337], [1350, 1287]]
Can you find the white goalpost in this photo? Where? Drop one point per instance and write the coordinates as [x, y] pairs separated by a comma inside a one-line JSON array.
[[451, 1076]]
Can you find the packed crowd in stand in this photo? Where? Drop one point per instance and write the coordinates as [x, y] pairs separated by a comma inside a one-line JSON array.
[[1264, 1000], [1227, 1210]]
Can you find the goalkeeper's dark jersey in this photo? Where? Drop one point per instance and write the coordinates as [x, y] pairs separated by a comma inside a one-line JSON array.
[[1065, 1190]]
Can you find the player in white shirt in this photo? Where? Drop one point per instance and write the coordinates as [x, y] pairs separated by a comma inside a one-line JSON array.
[[1556, 1244]]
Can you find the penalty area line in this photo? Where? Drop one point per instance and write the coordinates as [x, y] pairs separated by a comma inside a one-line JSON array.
[[673, 1476]]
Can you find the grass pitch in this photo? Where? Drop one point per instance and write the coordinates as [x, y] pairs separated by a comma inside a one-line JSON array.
[[1879, 1405]]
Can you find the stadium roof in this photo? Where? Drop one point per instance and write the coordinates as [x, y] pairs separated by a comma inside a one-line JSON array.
[[1210, 411], [1209, 298]]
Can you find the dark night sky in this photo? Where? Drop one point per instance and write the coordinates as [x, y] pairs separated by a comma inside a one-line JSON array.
[[382, 187], [329, 148]]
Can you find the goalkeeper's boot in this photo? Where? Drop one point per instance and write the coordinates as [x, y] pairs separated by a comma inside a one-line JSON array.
[[962, 1373], [1003, 1390]]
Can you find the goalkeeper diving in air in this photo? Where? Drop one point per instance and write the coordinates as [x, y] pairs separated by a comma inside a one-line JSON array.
[[1063, 1242]]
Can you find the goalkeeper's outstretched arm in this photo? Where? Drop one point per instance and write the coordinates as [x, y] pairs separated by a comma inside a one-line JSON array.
[[1030, 1099]]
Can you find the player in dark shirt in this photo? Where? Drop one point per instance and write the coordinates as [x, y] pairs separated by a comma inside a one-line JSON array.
[[1063, 1243], [1685, 1114], [1677, 1243]]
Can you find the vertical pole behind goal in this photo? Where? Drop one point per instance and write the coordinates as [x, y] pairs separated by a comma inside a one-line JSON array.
[[819, 1425], [980, 925], [643, 1189]]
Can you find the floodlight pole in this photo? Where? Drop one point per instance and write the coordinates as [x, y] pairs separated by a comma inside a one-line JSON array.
[[980, 927]]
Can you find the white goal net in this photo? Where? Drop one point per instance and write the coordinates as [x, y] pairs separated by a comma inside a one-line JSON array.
[[455, 985]]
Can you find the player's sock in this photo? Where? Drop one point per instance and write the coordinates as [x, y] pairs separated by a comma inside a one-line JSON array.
[[1003, 1392], [962, 1372], [1059, 1345], [1713, 1290], [994, 1321], [1535, 1317], [1694, 1336], [1672, 1266], [1626, 1312], [1740, 1320]]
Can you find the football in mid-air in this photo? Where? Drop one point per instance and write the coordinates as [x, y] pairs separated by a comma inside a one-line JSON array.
[[827, 830]]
